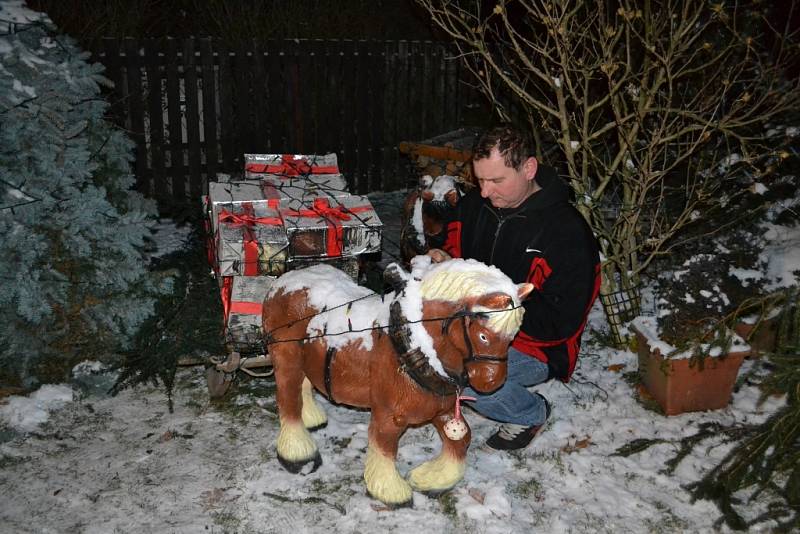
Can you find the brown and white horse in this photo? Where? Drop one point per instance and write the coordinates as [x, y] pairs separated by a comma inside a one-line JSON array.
[[404, 356]]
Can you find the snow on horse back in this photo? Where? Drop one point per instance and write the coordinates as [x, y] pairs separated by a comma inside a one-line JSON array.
[[404, 355]]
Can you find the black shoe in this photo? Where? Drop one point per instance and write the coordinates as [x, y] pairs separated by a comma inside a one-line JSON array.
[[510, 437]]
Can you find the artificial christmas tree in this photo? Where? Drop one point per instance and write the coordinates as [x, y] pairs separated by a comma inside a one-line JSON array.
[[75, 279]]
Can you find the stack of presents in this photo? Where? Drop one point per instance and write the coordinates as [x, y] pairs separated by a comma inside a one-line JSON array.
[[283, 213]]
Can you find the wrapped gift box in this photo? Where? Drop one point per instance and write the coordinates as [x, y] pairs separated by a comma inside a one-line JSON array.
[[242, 301], [274, 187], [302, 188], [290, 164], [346, 226], [250, 238]]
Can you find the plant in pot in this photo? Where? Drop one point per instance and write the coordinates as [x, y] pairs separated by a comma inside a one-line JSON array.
[[689, 356]]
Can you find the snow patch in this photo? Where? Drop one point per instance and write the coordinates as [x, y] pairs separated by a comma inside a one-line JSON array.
[[26, 414]]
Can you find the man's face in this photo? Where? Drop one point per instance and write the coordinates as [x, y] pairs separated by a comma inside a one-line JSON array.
[[504, 186]]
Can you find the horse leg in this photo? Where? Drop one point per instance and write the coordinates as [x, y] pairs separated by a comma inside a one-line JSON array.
[[313, 415], [380, 472], [445, 471], [295, 445]]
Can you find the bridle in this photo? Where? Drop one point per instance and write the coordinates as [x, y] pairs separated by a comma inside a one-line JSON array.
[[472, 356]]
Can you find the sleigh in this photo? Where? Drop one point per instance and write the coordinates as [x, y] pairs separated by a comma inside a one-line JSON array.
[[283, 213]]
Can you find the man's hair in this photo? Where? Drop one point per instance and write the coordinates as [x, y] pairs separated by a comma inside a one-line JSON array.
[[514, 145]]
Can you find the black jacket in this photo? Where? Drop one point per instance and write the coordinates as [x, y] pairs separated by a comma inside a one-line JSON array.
[[545, 241]]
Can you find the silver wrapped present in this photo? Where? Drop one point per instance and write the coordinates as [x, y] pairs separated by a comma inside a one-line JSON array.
[[242, 301], [290, 164], [274, 187], [250, 238], [345, 226]]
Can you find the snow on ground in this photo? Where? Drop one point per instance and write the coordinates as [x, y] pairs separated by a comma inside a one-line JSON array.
[[126, 464]]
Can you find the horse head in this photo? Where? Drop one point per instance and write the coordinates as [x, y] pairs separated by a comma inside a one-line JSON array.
[[424, 212], [476, 337], [461, 316]]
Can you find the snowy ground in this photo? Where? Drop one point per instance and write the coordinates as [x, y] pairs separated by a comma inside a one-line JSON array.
[[73, 460]]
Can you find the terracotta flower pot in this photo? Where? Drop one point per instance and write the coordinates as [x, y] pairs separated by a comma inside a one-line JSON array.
[[679, 387]]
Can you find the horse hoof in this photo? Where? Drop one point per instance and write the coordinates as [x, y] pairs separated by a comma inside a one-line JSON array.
[[318, 427], [393, 506], [296, 467]]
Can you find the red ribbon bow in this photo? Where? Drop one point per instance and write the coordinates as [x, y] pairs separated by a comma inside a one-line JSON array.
[[246, 221], [321, 208]]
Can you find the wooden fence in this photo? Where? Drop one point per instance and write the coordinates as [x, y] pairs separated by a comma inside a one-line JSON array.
[[194, 106]]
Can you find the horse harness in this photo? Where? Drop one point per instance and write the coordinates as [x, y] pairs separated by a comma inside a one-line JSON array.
[[416, 365], [471, 357], [414, 362]]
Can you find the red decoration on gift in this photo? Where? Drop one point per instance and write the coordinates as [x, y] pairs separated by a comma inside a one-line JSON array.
[[225, 295], [289, 166], [228, 306], [247, 221], [211, 249], [247, 308], [321, 208]]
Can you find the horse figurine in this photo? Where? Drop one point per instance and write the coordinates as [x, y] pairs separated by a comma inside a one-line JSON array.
[[404, 355], [424, 211]]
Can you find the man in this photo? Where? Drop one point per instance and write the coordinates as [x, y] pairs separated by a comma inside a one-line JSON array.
[[520, 220]]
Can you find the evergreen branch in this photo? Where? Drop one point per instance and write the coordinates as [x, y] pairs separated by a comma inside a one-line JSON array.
[[19, 104], [31, 199]]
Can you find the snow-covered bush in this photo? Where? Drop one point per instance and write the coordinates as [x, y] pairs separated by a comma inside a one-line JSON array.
[[75, 283], [649, 107], [711, 282], [724, 271]]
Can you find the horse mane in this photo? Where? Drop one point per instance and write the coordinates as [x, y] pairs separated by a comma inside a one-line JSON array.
[[453, 281], [458, 279]]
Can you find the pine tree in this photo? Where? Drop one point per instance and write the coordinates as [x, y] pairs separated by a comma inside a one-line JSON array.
[[75, 283]]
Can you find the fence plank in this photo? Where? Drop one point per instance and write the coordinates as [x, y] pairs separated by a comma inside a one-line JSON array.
[[376, 140], [336, 81], [209, 109], [402, 109], [349, 109], [304, 96], [155, 110], [174, 123], [321, 98], [438, 102], [260, 109], [114, 72], [243, 104], [196, 183], [363, 79], [226, 111], [327, 99], [277, 97], [450, 89], [136, 114], [416, 85]]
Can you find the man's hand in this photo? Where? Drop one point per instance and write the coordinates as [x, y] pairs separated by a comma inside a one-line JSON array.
[[438, 255]]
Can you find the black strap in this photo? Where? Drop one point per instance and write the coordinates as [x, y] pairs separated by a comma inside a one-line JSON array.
[[329, 355], [472, 357]]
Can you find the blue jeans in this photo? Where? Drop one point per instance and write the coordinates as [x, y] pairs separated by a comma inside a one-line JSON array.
[[513, 403]]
